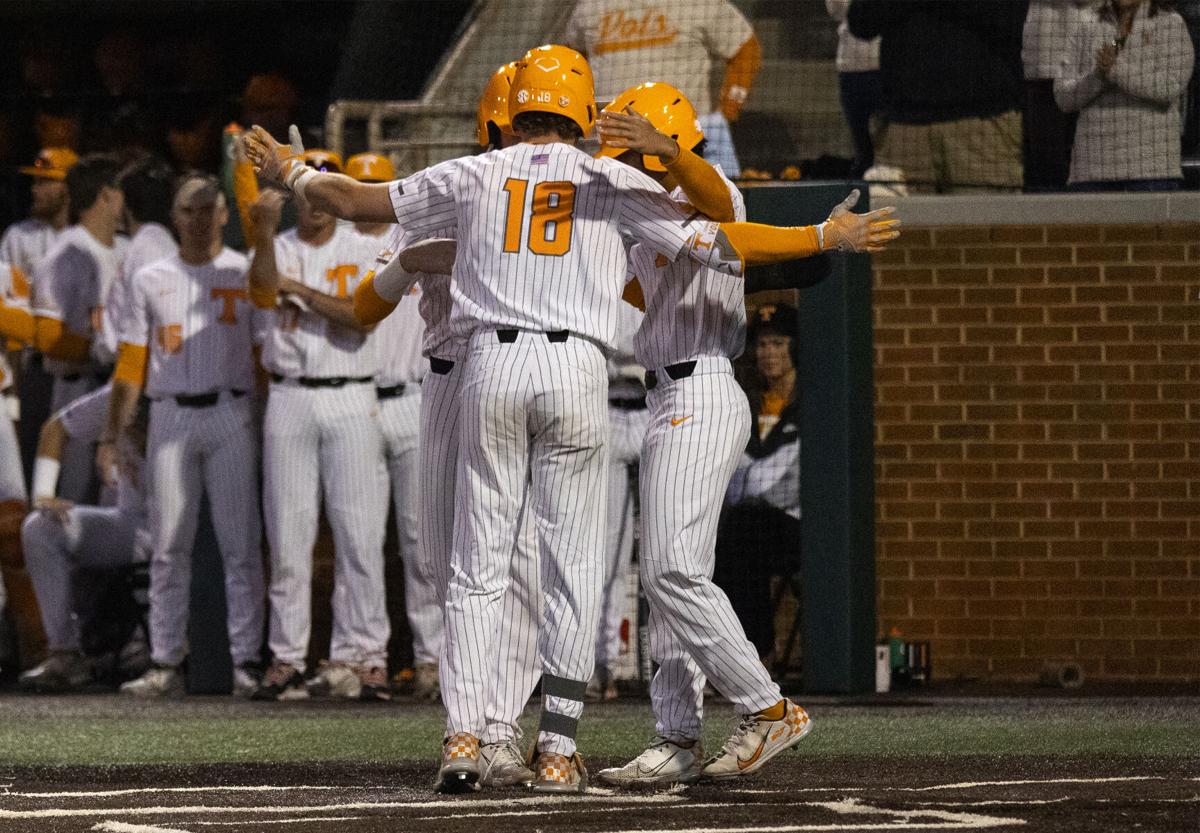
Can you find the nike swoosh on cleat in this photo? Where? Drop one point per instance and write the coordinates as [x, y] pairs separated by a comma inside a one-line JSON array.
[[680, 421], [744, 764]]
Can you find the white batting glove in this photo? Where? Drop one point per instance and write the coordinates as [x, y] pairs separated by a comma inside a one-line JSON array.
[[850, 232]]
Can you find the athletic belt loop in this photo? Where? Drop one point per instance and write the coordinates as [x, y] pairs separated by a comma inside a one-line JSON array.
[[506, 336], [558, 724], [682, 370], [558, 336], [562, 687]]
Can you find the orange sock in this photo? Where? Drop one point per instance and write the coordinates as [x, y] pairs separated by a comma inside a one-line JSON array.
[[776, 712]]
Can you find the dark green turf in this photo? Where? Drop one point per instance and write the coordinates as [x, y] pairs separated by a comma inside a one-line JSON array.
[[101, 730]]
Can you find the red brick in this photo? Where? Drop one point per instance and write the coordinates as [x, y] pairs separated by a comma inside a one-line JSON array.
[[965, 549], [965, 277], [939, 569], [1159, 451], [1181, 274], [1130, 233], [1079, 588], [906, 315], [1045, 295], [903, 277], [1104, 568], [960, 235], [1182, 232], [961, 315], [918, 237], [1051, 648], [1022, 315], [965, 511], [989, 373], [937, 489], [963, 627], [1075, 393], [996, 647], [1105, 529], [989, 295], [934, 256], [905, 393], [1101, 254], [990, 335], [1161, 489], [1131, 352], [1076, 431], [1130, 274], [907, 431], [1076, 315], [1046, 412], [939, 296], [1106, 647], [1103, 333], [1018, 234], [958, 393], [1098, 490], [1027, 431], [1107, 608], [932, 373], [1047, 491], [1021, 509], [1081, 471], [1173, 568], [981, 608], [994, 529], [990, 254], [1052, 568], [935, 335], [1160, 252], [908, 588], [992, 413], [1107, 294], [1020, 392], [936, 413], [1103, 411], [1158, 332], [1018, 627], [1076, 509], [1049, 529], [1046, 254], [1074, 234], [1103, 451], [1020, 588], [1019, 353], [1105, 373], [1162, 294], [1019, 275], [937, 529], [1141, 314], [1046, 335]]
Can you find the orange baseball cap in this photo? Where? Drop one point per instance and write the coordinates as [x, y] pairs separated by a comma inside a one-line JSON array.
[[370, 167], [52, 163]]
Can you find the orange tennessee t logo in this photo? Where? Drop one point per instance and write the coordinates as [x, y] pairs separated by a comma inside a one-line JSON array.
[[229, 297], [339, 275]]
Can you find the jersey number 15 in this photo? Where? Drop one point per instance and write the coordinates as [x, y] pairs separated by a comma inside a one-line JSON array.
[[549, 216]]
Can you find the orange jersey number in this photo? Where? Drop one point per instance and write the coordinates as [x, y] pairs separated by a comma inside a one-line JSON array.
[[549, 216]]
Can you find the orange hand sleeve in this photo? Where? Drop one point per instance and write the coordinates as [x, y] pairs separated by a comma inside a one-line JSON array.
[[56, 341], [132, 360], [369, 306]]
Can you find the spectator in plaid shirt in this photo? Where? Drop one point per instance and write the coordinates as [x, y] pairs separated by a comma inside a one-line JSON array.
[[1124, 73], [759, 536]]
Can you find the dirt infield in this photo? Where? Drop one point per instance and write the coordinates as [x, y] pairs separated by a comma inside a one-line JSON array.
[[796, 794]]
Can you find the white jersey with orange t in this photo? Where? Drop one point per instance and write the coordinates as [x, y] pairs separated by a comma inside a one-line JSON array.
[[25, 243]]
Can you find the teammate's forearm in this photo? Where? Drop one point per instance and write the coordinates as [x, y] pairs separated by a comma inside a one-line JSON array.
[[740, 73], [52, 338], [341, 196], [702, 185], [731, 247], [264, 274], [121, 407], [339, 311]]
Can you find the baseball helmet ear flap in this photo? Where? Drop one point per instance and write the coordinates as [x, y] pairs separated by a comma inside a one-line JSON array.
[[491, 116], [554, 79], [667, 108]]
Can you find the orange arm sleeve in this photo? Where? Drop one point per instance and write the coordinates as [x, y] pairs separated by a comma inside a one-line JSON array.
[[245, 193], [756, 243], [16, 324], [705, 189], [369, 307], [740, 73], [56, 341], [132, 360]]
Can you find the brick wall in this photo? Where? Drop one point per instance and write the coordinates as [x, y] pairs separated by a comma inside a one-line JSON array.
[[1037, 409]]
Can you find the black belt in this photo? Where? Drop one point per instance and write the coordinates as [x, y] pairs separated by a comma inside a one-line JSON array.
[[638, 404], [100, 376], [390, 392], [204, 400], [440, 366], [324, 381], [675, 371], [509, 336]]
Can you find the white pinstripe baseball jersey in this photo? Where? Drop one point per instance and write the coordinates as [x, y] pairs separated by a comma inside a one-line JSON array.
[[151, 242], [303, 343], [84, 420], [432, 330], [71, 284], [398, 343], [691, 310], [539, 234], [15, 297], [27, 242], [198, 323]]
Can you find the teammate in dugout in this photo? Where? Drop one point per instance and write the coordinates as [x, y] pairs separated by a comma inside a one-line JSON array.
[[398, 345], [536, 290], [320, 433], [188, 341]]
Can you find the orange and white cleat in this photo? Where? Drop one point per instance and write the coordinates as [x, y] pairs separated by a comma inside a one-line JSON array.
[[459, 772], [558, 774], [757, 740]]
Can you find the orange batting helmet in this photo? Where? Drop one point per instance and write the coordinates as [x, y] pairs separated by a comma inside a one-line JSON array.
[[323, 160], [554, 79], [493, 105], [668, 110], [370, 167], [52, 163]]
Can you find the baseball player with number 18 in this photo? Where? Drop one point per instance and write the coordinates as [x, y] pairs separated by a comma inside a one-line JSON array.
[[535, 289]]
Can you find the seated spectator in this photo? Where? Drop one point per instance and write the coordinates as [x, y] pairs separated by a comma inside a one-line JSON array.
[[60, 536], [759, 536], [952, 84], [1125, 72]]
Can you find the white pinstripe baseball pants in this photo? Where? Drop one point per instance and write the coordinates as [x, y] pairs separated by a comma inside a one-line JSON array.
[[190, 452], [516, 667], [399, 419], [628, 432], [12, 476], [78, 458], [532, 409], [330, 438], [686, 468]]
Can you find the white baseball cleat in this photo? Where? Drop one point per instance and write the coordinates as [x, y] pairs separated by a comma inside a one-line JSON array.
[[159, 681], [663, 763], [335, 679], [246, 678], [504, 766], [757, 740], [459, 772]]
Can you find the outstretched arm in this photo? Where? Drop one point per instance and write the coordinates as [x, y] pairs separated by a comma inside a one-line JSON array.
[[335, 194]]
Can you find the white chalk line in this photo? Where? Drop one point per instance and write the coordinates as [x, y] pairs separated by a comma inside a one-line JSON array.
[[122, 827], [297, 820], [318, 808], [142, 790], [962, 785], [593, 810]]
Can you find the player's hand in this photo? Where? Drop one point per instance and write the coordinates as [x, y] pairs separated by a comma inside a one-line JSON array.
[[294, 288], [273, 161], [850, 232], [108, 463], [265, 212], [434, 256], [634, 131], [732, 100], [56, 507]]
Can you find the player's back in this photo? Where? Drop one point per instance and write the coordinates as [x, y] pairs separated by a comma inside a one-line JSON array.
[[539, 238]]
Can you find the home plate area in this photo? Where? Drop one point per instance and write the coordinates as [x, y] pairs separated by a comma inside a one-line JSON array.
[[902, 795]]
